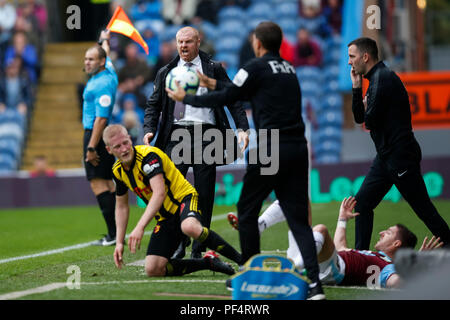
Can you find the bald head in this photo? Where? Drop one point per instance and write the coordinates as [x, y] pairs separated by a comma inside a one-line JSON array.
[[188, 43]]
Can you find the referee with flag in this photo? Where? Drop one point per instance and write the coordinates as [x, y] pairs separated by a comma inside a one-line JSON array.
[[98, 101]]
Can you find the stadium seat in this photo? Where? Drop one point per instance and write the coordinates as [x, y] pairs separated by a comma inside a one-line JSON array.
[[10, 146], [231, 59], [310, 87], [286, 10], [332, 56], [168, 33], [288, 25], [260, 10], [231, 13], [8, 162], [329, 133], [333, 101], [146, 10], [308, 73], [327, 158], [331, 73], [210, 30], [330, 118], [12, 130], [230, 44], [233, 28], [12, 116], [332, 86]]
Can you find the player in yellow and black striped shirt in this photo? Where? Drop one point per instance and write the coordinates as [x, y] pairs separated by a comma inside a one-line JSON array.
[[170, 198]]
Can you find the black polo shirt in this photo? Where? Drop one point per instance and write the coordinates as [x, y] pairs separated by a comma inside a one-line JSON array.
[[271, 85]]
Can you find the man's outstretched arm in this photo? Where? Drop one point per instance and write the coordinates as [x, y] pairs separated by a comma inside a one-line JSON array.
[[345, 214]]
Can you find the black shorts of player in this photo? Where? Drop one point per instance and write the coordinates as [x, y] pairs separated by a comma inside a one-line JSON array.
[[104, 169], [167, 233]]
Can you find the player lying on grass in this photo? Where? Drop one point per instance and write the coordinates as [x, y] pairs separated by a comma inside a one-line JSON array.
[[340, 265], [170, 198]]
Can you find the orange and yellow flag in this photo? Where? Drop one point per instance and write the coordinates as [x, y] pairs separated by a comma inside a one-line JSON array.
[[120, 23]]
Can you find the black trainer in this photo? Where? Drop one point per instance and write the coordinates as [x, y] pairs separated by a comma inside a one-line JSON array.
[[215, 264], [181, 250], [315, 292]]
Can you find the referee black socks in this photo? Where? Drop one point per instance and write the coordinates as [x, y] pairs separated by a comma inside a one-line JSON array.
[[107, 203]]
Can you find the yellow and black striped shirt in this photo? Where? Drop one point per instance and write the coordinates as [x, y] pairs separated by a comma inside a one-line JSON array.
[[148, 162]]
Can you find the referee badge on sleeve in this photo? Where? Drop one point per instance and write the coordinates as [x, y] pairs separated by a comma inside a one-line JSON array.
[[105, 101]]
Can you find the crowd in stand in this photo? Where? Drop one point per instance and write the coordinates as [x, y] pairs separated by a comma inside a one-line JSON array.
[[22, 35], [158, 22]]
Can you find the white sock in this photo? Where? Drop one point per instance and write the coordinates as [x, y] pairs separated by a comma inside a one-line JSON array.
[[319, 240], [271, 216], [293, 252]]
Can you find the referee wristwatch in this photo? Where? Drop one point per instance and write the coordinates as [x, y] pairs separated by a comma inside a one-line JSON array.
[[90, 149]]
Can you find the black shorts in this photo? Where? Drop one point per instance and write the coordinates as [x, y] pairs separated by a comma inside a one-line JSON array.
[[104, 169], [167, 233]]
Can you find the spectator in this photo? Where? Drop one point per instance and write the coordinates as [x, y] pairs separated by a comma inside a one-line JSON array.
[[207, 10], [240, 3], [178, 11], [40, 168], [131, 122], [312, 19], [7, 21], [135, 67], [246, 53], [307, 52], [310, 8], [38, 10], [149, 36], [28, 23], [130, 103], [287, 50], [21, 48], [206, 45], [15, 88], [167, 52], [333, 15]]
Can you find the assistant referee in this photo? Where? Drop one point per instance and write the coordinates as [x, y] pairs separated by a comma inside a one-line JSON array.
[[386, 112], [271, 85], [98, 101]]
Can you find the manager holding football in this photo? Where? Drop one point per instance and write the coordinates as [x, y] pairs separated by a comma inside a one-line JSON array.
[[183, 116], [271, 85], [98, 101], [386, 112]]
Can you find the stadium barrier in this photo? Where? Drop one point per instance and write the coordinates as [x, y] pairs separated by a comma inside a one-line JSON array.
[[328, 183]]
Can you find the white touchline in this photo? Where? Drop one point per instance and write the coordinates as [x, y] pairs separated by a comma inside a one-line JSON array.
[[78, 246], [84, 245]]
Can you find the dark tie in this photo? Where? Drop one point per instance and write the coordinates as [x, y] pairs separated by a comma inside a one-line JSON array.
[[180, 107]]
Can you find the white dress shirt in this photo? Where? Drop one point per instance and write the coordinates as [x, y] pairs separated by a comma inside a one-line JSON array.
[[192, 114]]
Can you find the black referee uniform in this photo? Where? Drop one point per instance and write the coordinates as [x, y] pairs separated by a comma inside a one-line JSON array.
[[388, 117], [270, 84]]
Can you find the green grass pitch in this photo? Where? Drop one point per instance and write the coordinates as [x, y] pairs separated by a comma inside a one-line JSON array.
[[26, 232]]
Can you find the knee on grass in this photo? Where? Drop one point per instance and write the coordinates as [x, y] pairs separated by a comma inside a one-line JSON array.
[[155, 267]]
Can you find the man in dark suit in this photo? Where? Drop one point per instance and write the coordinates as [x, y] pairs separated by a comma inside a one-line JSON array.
[[195, 121]]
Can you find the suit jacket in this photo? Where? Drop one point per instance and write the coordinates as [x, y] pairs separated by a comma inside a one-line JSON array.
[[159, 104]]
